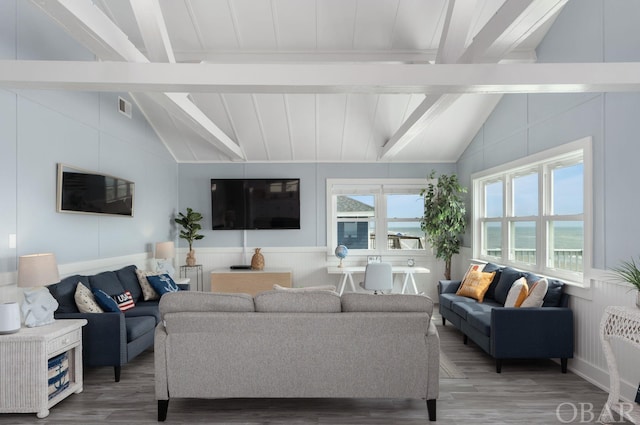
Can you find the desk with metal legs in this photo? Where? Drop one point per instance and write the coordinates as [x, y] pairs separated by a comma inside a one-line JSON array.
[[348, 272]]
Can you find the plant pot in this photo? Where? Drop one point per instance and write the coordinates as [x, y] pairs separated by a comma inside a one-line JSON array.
[[191, 258], [638, 298]]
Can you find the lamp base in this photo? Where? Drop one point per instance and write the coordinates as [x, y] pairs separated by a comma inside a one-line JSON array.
[[9, 318], [38, 307]]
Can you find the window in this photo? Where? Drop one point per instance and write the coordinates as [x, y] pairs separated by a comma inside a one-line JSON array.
[[359, 211], [533, 213]]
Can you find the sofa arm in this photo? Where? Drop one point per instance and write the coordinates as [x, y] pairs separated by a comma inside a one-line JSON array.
[[543, 332], [448, 286], [104, 338], [433, 365], [160, 362]]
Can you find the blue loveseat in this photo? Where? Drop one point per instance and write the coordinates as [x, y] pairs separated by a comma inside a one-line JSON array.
[[510, 332], [110, 338]]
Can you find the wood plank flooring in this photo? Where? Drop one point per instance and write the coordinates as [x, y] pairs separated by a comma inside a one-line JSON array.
[[526, 392]]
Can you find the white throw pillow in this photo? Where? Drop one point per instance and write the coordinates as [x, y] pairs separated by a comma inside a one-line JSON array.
[[148, 293], [536, 294], [85, 301], [517, 294]]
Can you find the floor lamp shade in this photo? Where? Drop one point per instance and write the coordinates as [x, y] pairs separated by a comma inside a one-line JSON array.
[[35, 272]]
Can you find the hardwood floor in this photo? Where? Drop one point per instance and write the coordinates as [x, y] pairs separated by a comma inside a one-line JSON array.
[[526, 392]]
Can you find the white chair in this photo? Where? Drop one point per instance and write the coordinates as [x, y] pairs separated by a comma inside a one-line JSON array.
[[378, 277]]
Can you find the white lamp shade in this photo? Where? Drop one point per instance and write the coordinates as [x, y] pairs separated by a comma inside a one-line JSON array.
[[37, 270], [165, 250]]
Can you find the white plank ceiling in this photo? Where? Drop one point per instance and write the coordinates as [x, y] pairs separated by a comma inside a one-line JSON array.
[[341, 125]]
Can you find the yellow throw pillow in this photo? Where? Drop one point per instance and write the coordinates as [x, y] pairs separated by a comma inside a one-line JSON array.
[[475, 284], [518, 293], [473, 268]]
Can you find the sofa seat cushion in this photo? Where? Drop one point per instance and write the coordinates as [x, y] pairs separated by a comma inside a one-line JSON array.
[[462, 309], [359, 302], [138, 326], [480, 320], [298, 302], [446, 300], [145, 308]]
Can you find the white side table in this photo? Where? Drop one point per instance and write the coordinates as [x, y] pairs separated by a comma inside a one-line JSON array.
[[24, 366], [622, 323]]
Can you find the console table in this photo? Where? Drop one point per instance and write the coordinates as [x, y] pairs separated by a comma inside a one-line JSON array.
[[25, 365], [249, 281], [622, 323], [406, 271]]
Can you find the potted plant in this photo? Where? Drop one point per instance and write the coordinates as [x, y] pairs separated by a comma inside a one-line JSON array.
[[444, 217], [629, 272], [189, 232]]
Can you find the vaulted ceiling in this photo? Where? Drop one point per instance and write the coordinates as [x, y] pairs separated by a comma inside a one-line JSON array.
[[282, 60]]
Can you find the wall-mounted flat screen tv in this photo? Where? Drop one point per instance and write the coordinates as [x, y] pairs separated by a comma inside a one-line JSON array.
[[238, 204], [82, 191]]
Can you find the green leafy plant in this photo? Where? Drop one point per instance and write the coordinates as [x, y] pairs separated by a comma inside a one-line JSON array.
[[444, 217], [629, 272], [190, 226]]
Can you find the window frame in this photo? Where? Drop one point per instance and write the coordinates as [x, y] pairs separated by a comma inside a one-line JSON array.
[[579, 151], [379, 188]]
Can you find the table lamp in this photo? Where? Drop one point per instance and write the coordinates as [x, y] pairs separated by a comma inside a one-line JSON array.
[[164, 252], [35, 272]]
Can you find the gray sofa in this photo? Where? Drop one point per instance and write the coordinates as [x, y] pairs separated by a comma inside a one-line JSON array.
[[509, 332], [287, 344]]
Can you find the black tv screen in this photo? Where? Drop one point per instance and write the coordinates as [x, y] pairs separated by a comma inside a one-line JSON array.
[[238, 204], [87, 192]]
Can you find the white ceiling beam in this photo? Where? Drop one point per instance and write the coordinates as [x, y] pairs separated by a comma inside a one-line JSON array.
[[322, 78], [452, 46], [455, 30], [90, 26], [320, 56], [500, 35], [153, 29]]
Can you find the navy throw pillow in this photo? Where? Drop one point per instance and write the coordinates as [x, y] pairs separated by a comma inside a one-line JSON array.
[[163, 284], [507, 277], [105, 301]]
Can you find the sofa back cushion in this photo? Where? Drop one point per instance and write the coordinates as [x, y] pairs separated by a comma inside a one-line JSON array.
[[507, 277], [554, 296], [187, 301], [107, 282], [64, 293], [129, 280], [357, 302], [491, 291], [298, 302]]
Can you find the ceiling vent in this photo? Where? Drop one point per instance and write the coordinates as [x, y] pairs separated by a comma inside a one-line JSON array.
[[124, 107]]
